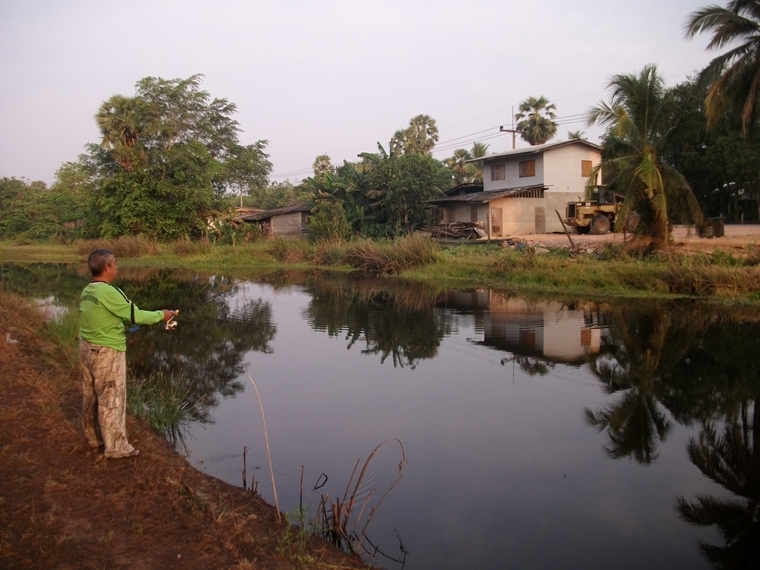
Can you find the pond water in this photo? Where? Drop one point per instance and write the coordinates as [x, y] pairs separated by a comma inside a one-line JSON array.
[[526, 433]]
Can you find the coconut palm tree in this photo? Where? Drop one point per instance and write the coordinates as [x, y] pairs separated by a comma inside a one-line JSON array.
[[639, 129], [478, 150], [535, 120], [733, 78]]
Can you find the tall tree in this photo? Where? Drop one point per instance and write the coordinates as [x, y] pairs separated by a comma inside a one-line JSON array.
[[168, 157], [120, 120], [418, 138], [638, 129], [458, 164], [535, 120], [479, 150], [322, 165], [733, 78]]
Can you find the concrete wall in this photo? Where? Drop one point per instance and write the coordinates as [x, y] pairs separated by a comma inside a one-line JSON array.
[[287, 224]]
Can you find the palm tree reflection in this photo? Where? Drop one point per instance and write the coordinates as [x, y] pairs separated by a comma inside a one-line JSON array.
[[731, 460], [640, 349]]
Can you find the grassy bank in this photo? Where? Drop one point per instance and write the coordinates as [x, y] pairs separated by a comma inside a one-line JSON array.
[[613, 270]]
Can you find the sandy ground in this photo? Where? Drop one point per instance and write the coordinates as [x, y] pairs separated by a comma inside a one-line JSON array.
[[737, 239]]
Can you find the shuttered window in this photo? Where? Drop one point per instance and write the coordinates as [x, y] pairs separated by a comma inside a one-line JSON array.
[[498, 172], [527, 168], [585, 168]]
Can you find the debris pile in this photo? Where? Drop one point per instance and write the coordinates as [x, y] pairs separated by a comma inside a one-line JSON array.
[[455, 230]]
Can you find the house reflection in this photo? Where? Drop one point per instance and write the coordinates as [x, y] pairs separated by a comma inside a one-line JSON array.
[[550, 330]]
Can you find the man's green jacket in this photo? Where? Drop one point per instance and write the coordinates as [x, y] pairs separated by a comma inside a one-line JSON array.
[[104, 310]]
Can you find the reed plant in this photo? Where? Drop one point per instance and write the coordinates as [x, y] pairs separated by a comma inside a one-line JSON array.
[[338, 519], [187, 247], [165, 402], [289, 250], [124, 246], [63, 328], [389, 257]]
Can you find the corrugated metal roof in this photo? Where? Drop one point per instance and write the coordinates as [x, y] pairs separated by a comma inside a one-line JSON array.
[[486, 196], [537, 149], [264, 214]]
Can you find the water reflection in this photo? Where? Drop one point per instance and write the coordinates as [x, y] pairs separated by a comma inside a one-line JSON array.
[[670, 386], [205, 352], [731, 459], [399, 321]]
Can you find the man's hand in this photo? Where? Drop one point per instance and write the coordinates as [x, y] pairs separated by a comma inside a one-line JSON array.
[[168, 314]]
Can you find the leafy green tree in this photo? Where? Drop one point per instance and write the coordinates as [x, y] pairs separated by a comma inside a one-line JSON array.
[[329, 222], [167, 159], [400, 187], [733, 78], [638, 129], [535, 120]]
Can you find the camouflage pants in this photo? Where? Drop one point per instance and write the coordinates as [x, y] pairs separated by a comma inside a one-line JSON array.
[[104, 404]]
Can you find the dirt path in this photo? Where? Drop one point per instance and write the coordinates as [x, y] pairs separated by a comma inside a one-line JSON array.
[[63, 506], [738, 239]]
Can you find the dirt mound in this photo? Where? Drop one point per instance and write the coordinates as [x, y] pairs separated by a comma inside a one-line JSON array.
[[64, 506]]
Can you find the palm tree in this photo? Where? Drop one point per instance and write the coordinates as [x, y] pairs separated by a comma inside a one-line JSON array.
[[418, 138], [422, 134], [535, 120], [322, 165], [478, 150], [119, 120], [576, 135], [734, 76], [639, 129], [459, 166]]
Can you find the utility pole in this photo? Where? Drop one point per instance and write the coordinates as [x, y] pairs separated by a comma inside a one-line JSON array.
[[512, 130], [514, 134]]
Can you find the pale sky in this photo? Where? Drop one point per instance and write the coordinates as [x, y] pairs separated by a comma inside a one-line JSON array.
[[326, 76]]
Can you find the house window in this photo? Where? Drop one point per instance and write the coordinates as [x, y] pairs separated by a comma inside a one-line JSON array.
[[498, 172], [585, 168], [527, 168]]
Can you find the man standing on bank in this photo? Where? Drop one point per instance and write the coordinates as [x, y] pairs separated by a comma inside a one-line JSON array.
[[104, 313]]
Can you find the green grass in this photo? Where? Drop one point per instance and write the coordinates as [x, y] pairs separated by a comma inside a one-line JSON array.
[[614, 271]]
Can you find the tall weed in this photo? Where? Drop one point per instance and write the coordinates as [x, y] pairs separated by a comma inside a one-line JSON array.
[[125, 246]]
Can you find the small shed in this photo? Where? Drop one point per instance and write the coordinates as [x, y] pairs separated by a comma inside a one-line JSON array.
[[290, 221], [512, 211]]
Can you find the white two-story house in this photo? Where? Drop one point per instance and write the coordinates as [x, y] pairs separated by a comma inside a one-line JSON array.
[[523, 187]]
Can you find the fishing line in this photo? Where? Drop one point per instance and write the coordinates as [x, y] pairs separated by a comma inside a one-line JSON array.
[[172, 323]]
